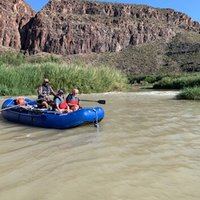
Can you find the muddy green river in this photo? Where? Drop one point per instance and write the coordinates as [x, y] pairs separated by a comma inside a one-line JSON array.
[[146, 148]]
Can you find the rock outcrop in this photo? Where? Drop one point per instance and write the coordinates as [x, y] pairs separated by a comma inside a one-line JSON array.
[[74, 27], [14, 14]]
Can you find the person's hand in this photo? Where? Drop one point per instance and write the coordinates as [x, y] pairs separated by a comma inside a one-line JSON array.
[[68, 110], [47, 98]]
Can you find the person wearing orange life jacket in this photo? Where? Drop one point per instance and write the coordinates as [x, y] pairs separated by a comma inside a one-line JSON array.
[[60, 104], [20, 101], [72, 100]]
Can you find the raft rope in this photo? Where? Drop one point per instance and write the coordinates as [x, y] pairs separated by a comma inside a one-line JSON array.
[[96, 124]]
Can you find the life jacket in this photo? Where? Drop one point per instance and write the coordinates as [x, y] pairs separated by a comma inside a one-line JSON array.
[[72, 100], [46, 90], [63, 105], [20, 101]]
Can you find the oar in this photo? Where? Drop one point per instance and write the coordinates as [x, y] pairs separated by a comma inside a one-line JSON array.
[[8, 108], [99, 101]]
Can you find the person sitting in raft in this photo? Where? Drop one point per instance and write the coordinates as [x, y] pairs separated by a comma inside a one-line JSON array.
[[44, 91], [20, 101], [72, 100], [60, 104]]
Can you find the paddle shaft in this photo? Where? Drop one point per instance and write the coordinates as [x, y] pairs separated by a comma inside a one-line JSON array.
[[99, 101]]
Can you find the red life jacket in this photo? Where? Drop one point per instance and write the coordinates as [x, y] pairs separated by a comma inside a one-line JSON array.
[[63, 105], [73, 102]]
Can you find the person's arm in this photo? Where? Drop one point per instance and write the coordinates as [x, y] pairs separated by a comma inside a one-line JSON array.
[[68, 98], [57, 102], [40, 92], [52, 91]]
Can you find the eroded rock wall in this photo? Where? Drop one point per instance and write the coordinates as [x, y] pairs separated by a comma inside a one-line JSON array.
[[74, 27], [14, 14], [77, 26]]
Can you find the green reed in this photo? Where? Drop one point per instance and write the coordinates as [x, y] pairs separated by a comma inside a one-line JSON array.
[[180, 82], [24, 79], [189, 93]]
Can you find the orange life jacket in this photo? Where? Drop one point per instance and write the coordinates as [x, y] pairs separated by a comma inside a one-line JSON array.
[[20, 101]]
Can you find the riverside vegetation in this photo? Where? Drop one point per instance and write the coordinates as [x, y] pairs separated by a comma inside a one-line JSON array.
[[21, 75], [187, 83]]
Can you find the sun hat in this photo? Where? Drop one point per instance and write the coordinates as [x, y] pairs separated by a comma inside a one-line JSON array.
[[46, 80]]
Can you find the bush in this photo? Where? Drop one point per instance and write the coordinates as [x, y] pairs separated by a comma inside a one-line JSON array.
[[144, 78], [190, 80], [189, 94]]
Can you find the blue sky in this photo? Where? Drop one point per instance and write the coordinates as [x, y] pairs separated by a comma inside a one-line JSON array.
[[189, 7]]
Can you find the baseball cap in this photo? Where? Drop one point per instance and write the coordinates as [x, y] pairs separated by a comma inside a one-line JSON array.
[[60, 92]]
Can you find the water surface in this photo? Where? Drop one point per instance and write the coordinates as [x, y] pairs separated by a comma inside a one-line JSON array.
[[146, 148]]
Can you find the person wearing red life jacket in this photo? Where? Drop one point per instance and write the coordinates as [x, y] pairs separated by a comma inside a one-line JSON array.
[[60, 103], [72, 100]]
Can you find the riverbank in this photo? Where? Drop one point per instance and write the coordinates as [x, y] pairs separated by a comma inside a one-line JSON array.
[[21, 75]]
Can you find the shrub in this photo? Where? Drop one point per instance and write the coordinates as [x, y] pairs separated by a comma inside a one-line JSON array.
[[189, 93]]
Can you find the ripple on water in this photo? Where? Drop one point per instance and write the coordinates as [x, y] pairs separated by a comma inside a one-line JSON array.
[[147, 147]]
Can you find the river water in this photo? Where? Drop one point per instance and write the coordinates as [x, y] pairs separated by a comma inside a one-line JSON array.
[[146, 148]]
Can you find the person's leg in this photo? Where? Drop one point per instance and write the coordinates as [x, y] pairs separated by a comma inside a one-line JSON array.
[[74, 107], [45, 104]]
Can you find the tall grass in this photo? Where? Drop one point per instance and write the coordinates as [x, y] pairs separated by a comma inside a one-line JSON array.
[[23, 79], [10, 58], [190, 80], [189, 94]]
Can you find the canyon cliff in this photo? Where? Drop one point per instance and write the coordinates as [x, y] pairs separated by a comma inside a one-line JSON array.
[[14, 15], [74, 27], [134, 38]]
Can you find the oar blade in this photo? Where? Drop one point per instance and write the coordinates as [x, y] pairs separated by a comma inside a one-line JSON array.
[[101, 101]]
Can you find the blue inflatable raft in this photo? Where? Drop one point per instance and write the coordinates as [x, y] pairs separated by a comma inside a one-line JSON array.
[[31, 115]]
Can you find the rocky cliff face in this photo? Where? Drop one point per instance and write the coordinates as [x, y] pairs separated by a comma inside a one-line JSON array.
[[74, 27], [14, 14]]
